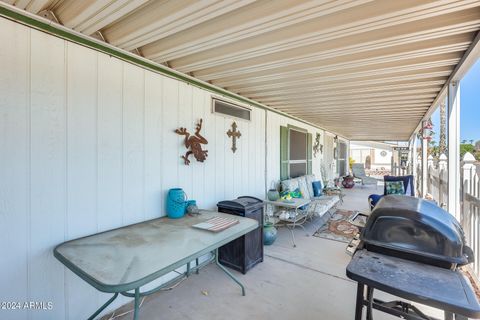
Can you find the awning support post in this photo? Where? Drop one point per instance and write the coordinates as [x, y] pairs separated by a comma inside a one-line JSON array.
[[453, 132], [424, 163]]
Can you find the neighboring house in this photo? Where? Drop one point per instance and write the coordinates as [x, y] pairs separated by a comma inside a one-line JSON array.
[[376, 156]]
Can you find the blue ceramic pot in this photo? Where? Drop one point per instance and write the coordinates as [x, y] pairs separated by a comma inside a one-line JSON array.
[[269, 233], [176, 203]]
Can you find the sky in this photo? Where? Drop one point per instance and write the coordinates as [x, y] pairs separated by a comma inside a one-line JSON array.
[[469, 104]]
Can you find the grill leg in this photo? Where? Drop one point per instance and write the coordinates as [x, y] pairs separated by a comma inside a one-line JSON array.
[[359, 304], [451, 316], [370, 303]]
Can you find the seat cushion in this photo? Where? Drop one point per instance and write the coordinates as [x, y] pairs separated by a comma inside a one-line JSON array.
[[302, 185], [309, 179], [324, 203], [289, 184]]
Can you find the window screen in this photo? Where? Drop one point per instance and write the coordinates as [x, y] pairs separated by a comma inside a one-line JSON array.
[[298, 145], [295, 153], [342, 158]]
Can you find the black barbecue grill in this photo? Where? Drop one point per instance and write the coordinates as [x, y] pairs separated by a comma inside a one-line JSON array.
[[412, 248], [417, 230]]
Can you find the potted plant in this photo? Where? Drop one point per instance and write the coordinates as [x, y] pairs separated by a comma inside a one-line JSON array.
[[348, 182]]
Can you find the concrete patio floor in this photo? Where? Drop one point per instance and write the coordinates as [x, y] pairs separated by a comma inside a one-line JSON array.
[[306, 282]]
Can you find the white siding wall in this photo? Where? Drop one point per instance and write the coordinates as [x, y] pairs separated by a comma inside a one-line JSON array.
[[87, 144]]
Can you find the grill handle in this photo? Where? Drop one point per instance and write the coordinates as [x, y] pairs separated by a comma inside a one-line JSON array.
[[468, 254]]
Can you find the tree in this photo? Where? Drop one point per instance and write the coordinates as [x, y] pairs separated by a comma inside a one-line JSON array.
[[433, 149], [466, 147], [443, 129]]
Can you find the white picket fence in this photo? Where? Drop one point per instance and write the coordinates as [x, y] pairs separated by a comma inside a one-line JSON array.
[[470, 206], [437, 180], [437, 186]]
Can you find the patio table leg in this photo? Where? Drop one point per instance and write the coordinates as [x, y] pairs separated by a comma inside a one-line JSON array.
[[229, 273], [96, 313], [137, 304]]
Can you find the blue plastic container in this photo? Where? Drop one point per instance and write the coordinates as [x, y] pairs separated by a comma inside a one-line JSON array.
[[176, 203], [190, 203]]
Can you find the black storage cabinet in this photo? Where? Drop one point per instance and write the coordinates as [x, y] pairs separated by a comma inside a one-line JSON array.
[[243, 253]]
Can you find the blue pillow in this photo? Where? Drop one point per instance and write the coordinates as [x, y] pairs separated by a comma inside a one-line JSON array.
[[317, 188]]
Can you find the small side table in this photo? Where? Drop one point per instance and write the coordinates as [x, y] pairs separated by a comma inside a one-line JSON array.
[[293, 206]]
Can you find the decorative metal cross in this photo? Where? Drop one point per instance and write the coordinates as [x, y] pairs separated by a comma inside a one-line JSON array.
[[234, 134]]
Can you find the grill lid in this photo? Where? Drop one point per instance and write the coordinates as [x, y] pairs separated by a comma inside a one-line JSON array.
[[415, 229]]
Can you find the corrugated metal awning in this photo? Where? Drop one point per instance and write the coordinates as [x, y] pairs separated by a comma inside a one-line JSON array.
[[368, 70]]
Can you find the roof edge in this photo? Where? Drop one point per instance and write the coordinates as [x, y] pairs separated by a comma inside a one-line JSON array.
[[42, 24]]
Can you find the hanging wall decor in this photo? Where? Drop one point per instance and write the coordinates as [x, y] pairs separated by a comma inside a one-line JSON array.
[[234, 134], [317, 147], [193, 143], [427, 130]]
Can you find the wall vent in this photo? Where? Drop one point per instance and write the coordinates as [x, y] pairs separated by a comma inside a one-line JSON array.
[[230, 109]]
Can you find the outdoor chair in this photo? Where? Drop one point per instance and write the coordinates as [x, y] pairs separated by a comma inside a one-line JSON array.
[[358, 171], [408, 186]]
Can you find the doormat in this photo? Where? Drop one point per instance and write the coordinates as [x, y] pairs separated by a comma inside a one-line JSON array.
[[338, 228]]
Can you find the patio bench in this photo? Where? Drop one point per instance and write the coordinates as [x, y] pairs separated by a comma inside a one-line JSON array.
[[319, 204]]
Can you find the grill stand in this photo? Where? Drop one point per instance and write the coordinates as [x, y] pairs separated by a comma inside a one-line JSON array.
[[400, 309]]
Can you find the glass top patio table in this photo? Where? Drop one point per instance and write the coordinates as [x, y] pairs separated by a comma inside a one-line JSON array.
[[129, 257], [293, 203]]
